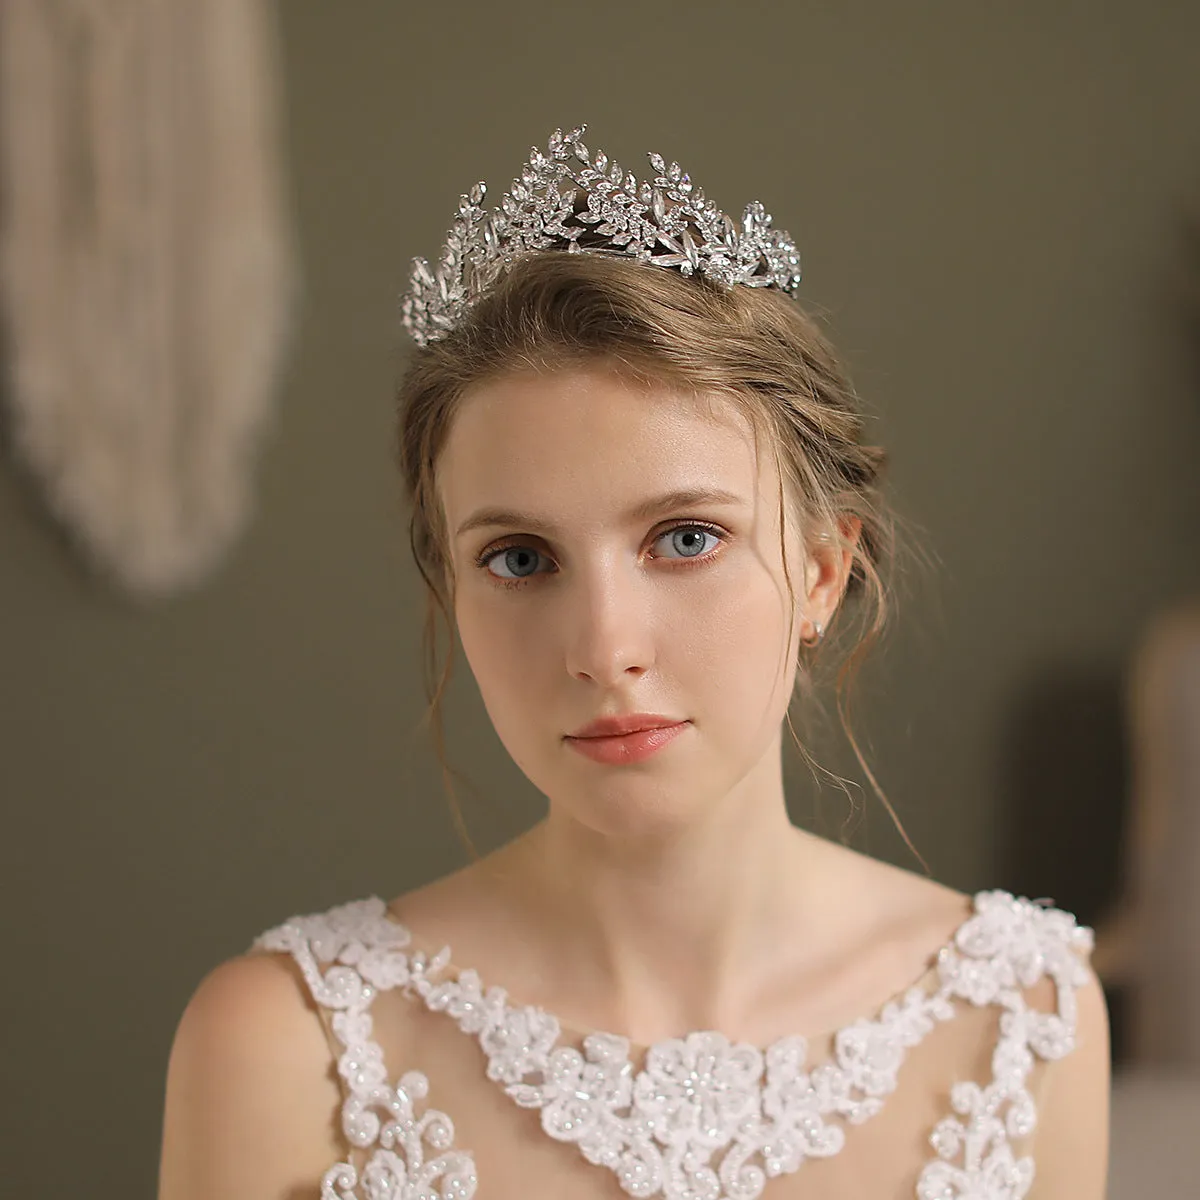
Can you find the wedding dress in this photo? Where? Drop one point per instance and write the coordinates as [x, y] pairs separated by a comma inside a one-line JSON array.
[[452, 1091]]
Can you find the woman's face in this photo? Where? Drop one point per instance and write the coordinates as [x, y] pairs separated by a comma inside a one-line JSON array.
[[582, 609]]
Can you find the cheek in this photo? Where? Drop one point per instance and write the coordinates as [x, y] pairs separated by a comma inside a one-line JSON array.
[[504, 656], [744, 649], [752, 614], [739, 658], [505, 661]]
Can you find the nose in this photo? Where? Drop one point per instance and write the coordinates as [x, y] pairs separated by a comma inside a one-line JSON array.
[[609, 624]]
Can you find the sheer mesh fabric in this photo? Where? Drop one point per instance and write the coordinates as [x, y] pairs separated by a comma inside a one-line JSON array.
[[954, 1067]]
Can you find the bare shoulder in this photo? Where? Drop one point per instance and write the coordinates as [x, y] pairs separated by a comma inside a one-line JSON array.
[[456, 909], [1072, 1134], [252, 1099], [898, 904], [1070, 1146]]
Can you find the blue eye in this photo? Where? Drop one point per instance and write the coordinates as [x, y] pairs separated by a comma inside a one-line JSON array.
[[689, 532], [511, 556], [521, 558]]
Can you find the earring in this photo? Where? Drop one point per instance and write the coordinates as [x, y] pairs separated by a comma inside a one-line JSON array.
[[820, 634]]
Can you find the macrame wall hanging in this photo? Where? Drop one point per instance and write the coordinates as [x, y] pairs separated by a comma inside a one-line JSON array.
[[145, 271]]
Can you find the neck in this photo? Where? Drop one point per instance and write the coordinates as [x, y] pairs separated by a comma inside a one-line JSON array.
[[658, 933]]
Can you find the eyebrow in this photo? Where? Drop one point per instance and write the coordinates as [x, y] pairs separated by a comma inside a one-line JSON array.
[[679, 498]]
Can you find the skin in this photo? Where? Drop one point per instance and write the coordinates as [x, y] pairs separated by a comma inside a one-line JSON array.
[[663, 890]]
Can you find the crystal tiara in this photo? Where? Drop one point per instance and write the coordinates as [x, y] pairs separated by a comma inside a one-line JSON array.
[[570, 199]]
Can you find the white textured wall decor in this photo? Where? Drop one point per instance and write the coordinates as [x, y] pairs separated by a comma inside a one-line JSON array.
[[146, 270]]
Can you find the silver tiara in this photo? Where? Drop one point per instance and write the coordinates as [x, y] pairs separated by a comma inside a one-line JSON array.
[[667, 223]]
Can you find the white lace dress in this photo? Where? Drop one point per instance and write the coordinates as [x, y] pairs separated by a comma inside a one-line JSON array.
[[933, 1097]]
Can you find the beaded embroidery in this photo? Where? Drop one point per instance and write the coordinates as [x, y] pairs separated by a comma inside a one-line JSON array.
[[697, 1097]]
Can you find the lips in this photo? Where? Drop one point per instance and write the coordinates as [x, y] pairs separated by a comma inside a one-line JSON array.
[[621, 725]]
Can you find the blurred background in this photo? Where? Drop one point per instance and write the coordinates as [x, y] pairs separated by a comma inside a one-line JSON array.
[[211, 635]]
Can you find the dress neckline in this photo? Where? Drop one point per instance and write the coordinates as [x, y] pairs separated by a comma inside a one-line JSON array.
[[700, 1109], [450, 970]]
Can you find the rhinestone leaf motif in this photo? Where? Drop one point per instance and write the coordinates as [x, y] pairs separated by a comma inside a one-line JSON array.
[[569, 199], [698, 1122]]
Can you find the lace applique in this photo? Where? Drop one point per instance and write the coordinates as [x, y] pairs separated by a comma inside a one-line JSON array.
[[658, 1129], [1008, 944], [367, 950]]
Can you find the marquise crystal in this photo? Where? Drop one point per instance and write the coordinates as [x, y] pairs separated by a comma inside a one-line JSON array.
[[567, 193]]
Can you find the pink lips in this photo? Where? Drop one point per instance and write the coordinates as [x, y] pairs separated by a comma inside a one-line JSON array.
[[630, 739], [618, 726]]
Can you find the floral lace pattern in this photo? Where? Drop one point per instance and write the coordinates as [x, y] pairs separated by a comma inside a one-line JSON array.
[[699, 1121]]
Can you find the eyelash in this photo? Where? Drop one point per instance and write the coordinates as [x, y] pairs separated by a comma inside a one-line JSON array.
[[682, 563]]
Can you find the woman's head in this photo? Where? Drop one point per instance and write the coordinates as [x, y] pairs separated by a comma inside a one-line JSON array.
[[579, 386]]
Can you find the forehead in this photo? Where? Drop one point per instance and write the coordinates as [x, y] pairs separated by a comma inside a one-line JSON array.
[[580, 442]]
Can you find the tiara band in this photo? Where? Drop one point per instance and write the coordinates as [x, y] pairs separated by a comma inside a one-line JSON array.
[[666, 223]]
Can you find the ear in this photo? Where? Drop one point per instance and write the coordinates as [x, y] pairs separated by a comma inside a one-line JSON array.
[[827, 570]]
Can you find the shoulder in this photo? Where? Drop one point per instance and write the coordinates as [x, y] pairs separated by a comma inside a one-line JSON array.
[[248, 995], [889, 905], [993, 943], [1034, 960], [252, 1098], [250, 1012], [1071, 1137], [1012, 945]]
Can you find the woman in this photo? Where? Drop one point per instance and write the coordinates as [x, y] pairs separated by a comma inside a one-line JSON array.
[[639, 487]]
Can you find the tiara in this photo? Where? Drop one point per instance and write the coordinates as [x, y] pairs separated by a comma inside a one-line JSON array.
[[569, 199]]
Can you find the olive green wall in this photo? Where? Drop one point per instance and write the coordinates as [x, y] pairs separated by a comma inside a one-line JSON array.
[[992, 205]]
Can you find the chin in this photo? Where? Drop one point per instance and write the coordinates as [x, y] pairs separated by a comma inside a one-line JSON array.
[[628, 806]]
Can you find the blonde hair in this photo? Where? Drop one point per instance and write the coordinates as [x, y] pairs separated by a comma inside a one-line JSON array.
[[753, 346]]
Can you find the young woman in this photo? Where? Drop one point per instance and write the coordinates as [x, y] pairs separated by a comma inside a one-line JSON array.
[[640, 491]]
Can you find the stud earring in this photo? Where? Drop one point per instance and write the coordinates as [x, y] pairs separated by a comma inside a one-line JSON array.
[[820, 634]]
